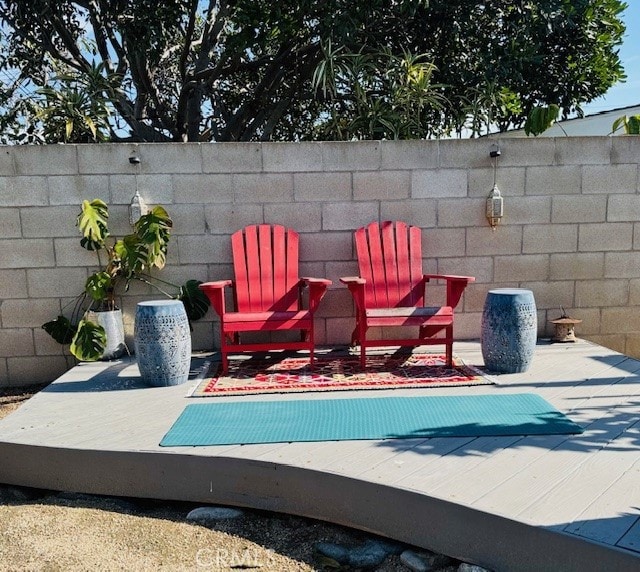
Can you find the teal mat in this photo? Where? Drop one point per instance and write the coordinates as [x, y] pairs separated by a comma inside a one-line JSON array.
[[238, 422]]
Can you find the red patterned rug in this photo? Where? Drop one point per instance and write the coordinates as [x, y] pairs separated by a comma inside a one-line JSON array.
[[330, 373]]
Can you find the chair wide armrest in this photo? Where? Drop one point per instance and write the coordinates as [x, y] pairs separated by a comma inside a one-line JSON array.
[[356, 287], [215, 292], [317, 289], [455, 286]]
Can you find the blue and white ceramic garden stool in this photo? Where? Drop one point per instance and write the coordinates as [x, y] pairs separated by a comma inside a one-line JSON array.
[[509, 330], [163, 342]]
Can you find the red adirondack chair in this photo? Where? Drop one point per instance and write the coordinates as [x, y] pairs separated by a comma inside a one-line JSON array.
[[390, 290], [267, 291]]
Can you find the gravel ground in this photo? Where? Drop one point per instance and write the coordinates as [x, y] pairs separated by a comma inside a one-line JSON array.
[[51, 531]]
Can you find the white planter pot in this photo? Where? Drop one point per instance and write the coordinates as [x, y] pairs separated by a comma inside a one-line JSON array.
[[113, 326]]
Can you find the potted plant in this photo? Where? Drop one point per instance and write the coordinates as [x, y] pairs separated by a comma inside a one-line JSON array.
[[96, 321]]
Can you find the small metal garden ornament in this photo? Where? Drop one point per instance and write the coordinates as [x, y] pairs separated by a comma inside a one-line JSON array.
[[564, 328]]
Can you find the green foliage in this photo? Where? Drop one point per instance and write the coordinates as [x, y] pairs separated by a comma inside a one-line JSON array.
[[630, 124], [89, 341], [540, 119], [129, 258], [216, 70]]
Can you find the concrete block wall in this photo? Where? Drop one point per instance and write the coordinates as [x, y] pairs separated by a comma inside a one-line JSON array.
[[571, 231]]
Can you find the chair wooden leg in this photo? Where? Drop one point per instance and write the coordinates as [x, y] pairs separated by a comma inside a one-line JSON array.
[[449, 332]]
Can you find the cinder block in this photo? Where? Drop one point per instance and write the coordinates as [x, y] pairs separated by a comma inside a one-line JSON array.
[[533, 267], [420, 212], [439, 183], [625, 149], [122, 188], [268, 188], [45, 345], [326, 246], [13, 284], [437, 242], [551, 295], [337, 270], [108, 158], [578, 208], [577, 266], [462, 213], [481, 267], [45, 159], [475, 296], [24, 313], [226, 219], [603, 237], [348, 216], [622, 265], [202, 337], [383, 185], [37, 369], [16, 342], [154, 189], [303, 217], [634, 292], [72, 190], [206, 249], [551, 180], [472, 153], [170, 158], [179, 274], [26, 253], [55, 282], [549, 238], [203, 189], [4, 374], [339, 330], [620, 320], [231, 157], [68, 252], [609, 179], [10, 223], [632, 345], [337, 303], [291, 157], [25, 192], [414, 154], [482, 241], [188, 219], [527, 210], [615, 342], [49, 221], [524, 152], [603, 293], [510, 181], [583, 150], [7, 167], [624, 208], [467, 326], [350, 155], [322, 186]]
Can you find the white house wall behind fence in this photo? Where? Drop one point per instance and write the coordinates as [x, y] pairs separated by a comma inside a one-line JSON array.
[[571, 230]]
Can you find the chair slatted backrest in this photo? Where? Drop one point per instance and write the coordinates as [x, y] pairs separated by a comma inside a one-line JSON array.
[[265, 262], [390, 259]]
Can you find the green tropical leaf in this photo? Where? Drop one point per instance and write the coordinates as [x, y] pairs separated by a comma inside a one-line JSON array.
[[97, 285], [195, 300], [633, 125], [154, 229], [60, 329], [89, 342], [92, 222], [540, 118], [132, 255]]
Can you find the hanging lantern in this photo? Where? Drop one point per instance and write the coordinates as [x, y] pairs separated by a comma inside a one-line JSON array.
[[495, 207]]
